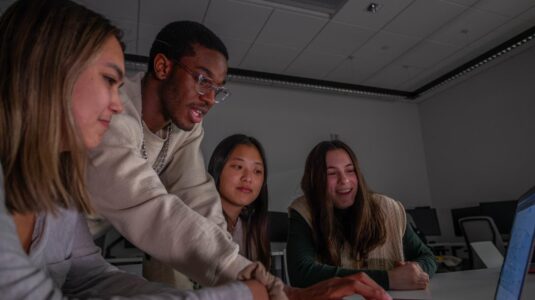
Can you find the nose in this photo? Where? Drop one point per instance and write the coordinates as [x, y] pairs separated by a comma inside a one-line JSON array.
[[343, 178], [116, 105], [209, 98], [246, 176]]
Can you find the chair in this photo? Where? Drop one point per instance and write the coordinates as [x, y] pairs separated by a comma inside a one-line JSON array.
[[488, 254], [278, 235], [478, 229]]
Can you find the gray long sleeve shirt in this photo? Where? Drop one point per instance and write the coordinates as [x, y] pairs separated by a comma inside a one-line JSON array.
[[63, 262]]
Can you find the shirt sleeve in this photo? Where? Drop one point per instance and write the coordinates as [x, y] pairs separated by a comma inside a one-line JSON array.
[[303, 268], [19, 277], [90, 276], [415, 250], [126, 190]]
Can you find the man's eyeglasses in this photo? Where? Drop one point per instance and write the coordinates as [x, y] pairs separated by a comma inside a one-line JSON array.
[[204, 85]]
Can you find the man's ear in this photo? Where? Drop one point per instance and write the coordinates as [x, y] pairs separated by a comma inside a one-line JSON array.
[[162, 66]]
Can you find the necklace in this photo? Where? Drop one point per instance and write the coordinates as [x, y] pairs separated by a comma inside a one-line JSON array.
[[158, 164]]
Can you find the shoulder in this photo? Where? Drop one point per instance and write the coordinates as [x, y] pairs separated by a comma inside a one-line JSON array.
[[386, 202], [394, 211], [300, 205]]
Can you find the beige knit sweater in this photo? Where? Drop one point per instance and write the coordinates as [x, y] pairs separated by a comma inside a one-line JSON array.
[[175, 217], [383, 257]]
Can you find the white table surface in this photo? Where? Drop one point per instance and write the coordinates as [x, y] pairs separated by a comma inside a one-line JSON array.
[[469, 285]]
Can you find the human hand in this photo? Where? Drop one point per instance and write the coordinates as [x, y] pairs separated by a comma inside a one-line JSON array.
[[408, 276], [339, 287], [258, 290], [257, 271]]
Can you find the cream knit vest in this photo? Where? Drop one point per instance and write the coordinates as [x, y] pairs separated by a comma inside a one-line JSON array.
[[383, 257]]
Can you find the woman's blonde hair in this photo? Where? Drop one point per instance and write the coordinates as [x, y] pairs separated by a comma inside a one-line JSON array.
[[46, 44]]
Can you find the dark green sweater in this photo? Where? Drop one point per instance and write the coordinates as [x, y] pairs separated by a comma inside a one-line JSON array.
[[304, 270]]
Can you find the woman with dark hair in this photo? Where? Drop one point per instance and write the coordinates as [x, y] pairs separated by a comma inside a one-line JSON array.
[[341, 227], [238, 165]]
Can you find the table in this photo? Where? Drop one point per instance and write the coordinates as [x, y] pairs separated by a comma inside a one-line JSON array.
[[463, 285]]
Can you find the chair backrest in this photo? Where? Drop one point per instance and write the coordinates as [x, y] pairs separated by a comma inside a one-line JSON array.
[[278, 226], [488, 254], [478, 229]]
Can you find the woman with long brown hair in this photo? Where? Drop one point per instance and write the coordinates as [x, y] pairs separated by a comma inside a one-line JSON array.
[[341, 227]]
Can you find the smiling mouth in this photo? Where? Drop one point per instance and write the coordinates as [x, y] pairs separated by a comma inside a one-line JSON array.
[[344, 191]]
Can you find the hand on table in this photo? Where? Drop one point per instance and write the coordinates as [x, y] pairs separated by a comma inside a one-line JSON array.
[[339, 287], [408, 276]]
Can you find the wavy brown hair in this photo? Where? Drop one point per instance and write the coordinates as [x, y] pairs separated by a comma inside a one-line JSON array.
[[255, 216], [361, 225], [46, 44]]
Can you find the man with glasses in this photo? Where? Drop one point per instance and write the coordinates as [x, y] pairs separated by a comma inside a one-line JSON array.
[[148, 176]]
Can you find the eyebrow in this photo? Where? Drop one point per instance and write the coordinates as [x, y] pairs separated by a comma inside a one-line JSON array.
[[211, 74], [241, 159], [117, 69]]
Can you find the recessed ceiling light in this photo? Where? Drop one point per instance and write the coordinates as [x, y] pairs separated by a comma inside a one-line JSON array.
[[373, 7]]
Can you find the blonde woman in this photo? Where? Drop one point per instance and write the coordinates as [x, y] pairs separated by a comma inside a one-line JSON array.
[[61, 67]]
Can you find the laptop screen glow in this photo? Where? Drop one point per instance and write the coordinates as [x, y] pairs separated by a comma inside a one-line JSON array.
[[516, 263]]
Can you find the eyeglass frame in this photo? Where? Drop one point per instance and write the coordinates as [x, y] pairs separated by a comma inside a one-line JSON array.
[[198, 86]]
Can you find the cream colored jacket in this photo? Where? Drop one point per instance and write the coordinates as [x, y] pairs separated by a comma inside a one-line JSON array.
[[176, 216]]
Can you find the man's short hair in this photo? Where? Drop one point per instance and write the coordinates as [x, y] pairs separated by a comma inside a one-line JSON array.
[[176, 40]]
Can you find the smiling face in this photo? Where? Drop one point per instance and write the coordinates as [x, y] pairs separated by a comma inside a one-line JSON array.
[[95, 97], [342, 182], [242, 177], [180, 100]]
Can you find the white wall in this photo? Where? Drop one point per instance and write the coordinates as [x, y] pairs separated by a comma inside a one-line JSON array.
[[385, 135], [479, 137]]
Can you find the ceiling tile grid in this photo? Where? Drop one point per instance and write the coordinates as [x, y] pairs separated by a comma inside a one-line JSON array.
[[162, 12], [355, 13], [268, 58], [508, 8], [423, 17], [236, 19], [355, 70], [290, 29], [127, 12], [311, 64], [469, 27], [340, 39]]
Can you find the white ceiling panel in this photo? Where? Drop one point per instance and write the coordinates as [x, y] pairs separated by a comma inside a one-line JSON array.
[[391, 76], [354, 13], [386, 46], [355, 70], [528, 16], [162, 12], [463, 2], [340, 39], [312, 64], [427, 54], [289, 29], [469, 27], [424, 17], [509, 8], [146, 35], [268, 58], [236, 50], [235, 19], [129, 34], [128, 9]]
